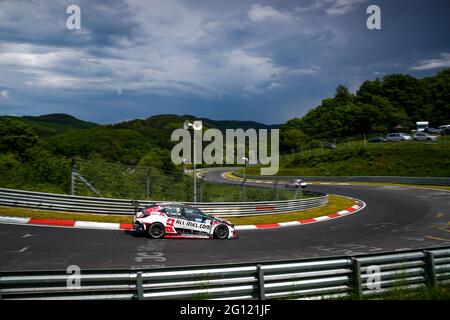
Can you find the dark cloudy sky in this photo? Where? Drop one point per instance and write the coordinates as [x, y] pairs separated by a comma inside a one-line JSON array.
[[267, 61]]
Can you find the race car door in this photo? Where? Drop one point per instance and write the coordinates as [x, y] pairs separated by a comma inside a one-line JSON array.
[[196, 220]]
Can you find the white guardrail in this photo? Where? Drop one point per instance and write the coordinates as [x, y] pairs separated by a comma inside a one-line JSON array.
[[68, 203], [320, 278]]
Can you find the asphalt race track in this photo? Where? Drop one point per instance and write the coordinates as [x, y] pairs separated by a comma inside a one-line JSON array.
[[395, 218]]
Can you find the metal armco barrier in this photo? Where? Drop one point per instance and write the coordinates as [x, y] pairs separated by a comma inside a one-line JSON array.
[[437, 181], [332, 277], [68, 203]]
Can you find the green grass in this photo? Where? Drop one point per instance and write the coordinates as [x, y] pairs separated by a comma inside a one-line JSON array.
[[396, 185], [426, 293], [411, 158], [231, 176], [440, 292], [336, 203]]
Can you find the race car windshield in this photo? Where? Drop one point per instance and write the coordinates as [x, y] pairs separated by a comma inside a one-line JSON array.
[[194, 213]]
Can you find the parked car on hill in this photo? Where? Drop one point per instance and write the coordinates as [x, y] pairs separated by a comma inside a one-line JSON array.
[[330, 146], [431, 130], [395, 137], [377, 139], [421, 136], [443, 130]]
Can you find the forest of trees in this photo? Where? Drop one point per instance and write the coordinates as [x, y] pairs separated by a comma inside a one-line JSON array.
[[378, 107]]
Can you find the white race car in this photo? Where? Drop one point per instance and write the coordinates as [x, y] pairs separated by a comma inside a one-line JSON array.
[[180, 221], [296, 184]]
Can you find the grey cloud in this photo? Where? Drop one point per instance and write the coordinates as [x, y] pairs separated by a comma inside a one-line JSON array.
[[4, 94], [429, 64], [193, 55]]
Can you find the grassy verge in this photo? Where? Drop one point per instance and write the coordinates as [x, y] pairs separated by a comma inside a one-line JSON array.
[[393, 185], [440, 292], [336, 203], [411, 158], [230, 176], [426, 293]]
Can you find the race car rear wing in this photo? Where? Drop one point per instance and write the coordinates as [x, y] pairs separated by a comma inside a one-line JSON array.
[[136, 206]]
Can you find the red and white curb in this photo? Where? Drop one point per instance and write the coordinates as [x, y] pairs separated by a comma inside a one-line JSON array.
[[66, 223], [128, 226], [354, 209]]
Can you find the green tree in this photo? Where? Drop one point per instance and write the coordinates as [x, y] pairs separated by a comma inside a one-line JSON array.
[[343, 96], [158, 158], [15, 136]]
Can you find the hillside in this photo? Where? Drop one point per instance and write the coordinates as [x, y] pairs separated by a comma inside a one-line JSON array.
[[113, 145], [159, 128], [415, 159], [234, 124], [53, 124]]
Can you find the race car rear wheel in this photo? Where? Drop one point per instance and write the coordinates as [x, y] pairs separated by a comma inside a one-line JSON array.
[[221, 232], [156, 230]]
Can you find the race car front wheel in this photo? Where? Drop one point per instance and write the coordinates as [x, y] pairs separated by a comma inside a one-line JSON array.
[[156, 230], [221, 232]]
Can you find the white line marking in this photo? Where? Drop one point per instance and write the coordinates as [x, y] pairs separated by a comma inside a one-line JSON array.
[[322, 218], [27, 235], [288, 224], [96, 225], [250, 227], [14, 220]]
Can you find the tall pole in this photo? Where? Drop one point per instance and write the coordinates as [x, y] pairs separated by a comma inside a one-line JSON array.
[[243, 185], [196, 126], [201, 189], [72, 176], [195, 174], [245, 177]]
